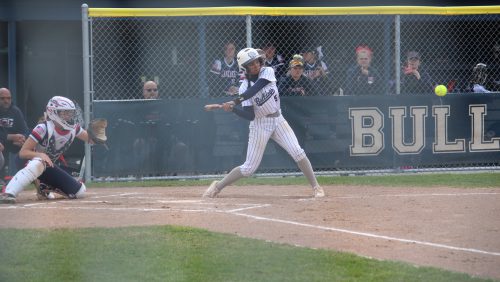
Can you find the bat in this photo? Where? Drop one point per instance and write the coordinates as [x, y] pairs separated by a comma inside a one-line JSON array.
[[211, 107]]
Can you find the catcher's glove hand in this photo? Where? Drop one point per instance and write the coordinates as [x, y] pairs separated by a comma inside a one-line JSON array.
[[97, 131]]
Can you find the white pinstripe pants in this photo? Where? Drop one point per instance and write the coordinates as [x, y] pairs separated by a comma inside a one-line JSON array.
[[261, 129]]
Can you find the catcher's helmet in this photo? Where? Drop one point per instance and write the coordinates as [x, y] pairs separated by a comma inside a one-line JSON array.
[[248, 55], [62, 111], [479, 74]]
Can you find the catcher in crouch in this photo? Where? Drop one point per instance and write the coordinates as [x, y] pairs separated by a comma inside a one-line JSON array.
[[49, 140], [261, 105]]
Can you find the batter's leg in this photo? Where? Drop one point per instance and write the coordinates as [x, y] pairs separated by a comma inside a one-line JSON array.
[[217, 186], [257, 140], [260, 132], [286, 138]]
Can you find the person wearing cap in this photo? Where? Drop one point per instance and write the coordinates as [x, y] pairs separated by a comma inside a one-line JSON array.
[[363, 78], [316, 70], [276, 61], [414, 79], [296, 83]]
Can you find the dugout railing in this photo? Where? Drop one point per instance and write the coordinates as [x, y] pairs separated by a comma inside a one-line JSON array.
[[173, 137]]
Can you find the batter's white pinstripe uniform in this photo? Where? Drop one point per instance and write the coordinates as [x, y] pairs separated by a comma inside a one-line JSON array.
[[268, 123]]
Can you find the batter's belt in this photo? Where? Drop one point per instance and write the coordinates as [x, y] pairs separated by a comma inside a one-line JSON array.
[[273, 115]]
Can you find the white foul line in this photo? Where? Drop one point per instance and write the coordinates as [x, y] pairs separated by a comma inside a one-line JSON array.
[[417, 195], [367, 234]]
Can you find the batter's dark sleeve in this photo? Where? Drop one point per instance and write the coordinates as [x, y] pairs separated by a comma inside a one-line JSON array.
[[252, 90], [245, 112]]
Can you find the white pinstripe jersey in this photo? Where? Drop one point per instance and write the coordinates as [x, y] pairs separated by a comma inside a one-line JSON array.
[[267, 100]]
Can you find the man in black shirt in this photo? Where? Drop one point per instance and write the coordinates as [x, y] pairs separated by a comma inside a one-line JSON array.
[[13, 122]]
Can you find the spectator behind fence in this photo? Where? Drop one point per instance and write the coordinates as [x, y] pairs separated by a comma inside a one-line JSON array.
[[225, 74], [493, 80], [478, 78], [3, 140], [150, 90], [316, 70], [415, 79], [296, 83], [12, 120], [276, 61], [362, 78]]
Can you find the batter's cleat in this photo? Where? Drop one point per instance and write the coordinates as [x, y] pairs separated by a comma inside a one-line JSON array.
[[318, 192], [6, 198], [212, 190]]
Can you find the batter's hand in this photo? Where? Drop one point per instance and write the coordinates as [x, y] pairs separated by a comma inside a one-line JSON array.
[[228, 106]]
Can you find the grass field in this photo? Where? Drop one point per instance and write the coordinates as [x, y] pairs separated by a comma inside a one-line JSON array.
[[172, 253]]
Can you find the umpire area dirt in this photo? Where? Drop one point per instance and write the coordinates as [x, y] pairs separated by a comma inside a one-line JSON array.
[[449, 228]]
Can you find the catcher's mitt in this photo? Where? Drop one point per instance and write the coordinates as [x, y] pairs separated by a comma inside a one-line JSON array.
[[97, 131]]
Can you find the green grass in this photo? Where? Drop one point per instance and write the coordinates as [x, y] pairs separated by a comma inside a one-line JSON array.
[[169, 253], [460, 180]]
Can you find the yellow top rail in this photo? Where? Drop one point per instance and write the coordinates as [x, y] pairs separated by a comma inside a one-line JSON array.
[[292, 11]]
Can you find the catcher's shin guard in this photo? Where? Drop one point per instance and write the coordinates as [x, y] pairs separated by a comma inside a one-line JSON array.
[[25, 176]]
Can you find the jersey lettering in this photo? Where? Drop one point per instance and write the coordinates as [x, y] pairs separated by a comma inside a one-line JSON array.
[[264, 97]]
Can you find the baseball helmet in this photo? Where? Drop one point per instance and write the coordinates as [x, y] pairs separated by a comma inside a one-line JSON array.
[[248, 55], [62, 111]]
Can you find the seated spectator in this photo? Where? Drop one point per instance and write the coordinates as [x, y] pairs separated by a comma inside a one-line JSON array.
[[493, 80], [415, 79], [362, 78], [150, 90], [3, 140], [225, 73], [479, 76], [295, 83], [14, 123], [316, 70], [276, 61]]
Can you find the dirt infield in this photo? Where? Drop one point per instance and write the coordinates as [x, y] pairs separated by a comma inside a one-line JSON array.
[[454, 229]]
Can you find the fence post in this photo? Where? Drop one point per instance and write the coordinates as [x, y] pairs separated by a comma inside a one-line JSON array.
[[86, 88], [397, 52], [249, 31]]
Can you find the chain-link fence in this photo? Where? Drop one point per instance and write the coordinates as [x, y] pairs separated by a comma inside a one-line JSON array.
[[193, 57]]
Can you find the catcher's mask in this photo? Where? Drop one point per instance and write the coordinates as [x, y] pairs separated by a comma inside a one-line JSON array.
[[479, 74], [62, 111]]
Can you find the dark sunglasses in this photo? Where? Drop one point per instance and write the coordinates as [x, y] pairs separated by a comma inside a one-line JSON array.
[[152, 90], [6, 98]]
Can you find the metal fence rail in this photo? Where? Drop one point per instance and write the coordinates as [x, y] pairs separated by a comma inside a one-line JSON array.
[[183, 50]]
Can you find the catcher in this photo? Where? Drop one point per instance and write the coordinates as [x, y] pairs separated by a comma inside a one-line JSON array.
[[49, 140]]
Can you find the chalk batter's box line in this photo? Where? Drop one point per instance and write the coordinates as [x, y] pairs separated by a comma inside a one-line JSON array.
[[286, 222], [237, 212]]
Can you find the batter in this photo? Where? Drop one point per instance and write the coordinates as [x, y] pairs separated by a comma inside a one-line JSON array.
[[260, 101]]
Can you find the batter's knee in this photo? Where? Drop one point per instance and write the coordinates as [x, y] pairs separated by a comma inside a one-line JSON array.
[[247, 170], [299, 155]]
